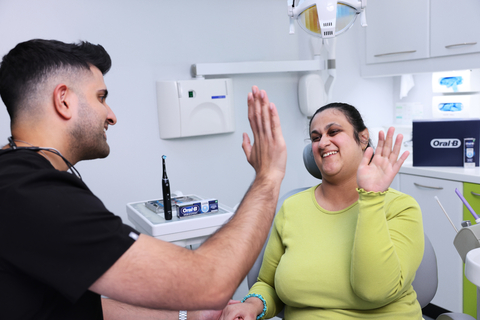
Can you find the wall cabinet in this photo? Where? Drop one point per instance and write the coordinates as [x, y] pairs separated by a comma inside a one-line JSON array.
[[418, 36], [397, 30], [454, 27]]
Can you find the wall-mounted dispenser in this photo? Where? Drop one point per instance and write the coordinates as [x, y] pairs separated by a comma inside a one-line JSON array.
[[456, 81], [456, 106], [195, 107]]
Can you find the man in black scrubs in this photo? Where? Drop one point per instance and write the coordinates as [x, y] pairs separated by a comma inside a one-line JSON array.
[[61, 248]]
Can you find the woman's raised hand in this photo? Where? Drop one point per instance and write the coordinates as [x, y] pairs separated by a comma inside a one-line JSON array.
[[378, 174]]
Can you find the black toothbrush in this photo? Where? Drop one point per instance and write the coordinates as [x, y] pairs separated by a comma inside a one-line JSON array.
[[167, 203]]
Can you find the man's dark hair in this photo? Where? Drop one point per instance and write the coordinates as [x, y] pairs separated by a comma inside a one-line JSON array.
[[32, 62]]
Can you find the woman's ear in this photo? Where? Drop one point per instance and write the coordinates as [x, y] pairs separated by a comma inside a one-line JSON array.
[[364, 138], [62, 101]]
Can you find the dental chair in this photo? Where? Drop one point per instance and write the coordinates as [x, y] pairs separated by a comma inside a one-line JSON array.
[[426, 278]]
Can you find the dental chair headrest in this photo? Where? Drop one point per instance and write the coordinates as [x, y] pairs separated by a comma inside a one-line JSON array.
[[309, 162]]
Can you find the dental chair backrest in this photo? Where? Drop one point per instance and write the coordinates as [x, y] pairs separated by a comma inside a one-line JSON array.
[[425, 283], [309, 163]]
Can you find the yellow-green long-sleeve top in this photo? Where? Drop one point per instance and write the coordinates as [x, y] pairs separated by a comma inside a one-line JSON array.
[[357, 263]]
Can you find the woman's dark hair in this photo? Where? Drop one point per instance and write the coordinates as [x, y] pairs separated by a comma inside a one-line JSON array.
[[32, 62], [352, 115]]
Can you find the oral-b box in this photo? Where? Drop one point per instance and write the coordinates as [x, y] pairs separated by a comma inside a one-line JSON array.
[[197, 207], [440, 142], [185, 206]]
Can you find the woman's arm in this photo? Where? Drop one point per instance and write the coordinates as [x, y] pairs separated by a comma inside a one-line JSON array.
[[389, 238], [388, 245]]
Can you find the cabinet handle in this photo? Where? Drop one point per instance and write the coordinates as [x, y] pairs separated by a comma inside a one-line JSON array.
[[461, 44], [474, 193], [391, 53], [422, 186]]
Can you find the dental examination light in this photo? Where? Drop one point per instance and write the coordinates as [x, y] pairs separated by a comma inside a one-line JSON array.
[[324, 20]]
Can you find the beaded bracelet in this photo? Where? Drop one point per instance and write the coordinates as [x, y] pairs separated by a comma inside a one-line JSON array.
[[259, 296]]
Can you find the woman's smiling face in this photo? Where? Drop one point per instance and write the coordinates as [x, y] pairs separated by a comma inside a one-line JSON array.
[[335, 149]]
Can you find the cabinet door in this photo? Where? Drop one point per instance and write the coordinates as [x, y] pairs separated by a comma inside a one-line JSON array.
[[471, 192], [441, 233], [454, 27], [397, 30]]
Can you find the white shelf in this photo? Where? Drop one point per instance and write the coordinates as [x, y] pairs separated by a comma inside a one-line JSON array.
[[211, 69]]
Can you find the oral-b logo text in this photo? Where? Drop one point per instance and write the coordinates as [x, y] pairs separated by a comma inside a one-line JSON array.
[[192, 209], [445, 143]]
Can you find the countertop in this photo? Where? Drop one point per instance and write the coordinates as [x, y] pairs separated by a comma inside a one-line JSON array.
[[448, 173]]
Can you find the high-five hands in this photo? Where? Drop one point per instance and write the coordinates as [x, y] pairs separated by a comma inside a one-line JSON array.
[[378, 174], [243, 311], [268, 155]]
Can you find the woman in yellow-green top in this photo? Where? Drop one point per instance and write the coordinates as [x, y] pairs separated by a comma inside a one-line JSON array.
[[349, 247]]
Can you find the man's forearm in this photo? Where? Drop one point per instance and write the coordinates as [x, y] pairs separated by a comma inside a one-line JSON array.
[[251, 224], [115, 310]]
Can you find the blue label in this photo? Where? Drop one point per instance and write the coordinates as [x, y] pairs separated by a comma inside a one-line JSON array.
[[469, 150], [219, 97], [213, 205], [190, 210]]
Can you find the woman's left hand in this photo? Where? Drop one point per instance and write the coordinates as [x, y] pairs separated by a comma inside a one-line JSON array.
[[208, 314], [378, 174]]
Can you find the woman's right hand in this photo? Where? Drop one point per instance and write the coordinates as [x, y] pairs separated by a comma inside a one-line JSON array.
[[377, 173], [249, 310]]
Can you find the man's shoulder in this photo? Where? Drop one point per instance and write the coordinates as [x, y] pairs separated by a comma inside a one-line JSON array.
[[22, 158], [26, 174]]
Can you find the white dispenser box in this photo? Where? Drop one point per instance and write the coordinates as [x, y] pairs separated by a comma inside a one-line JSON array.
[[456, 81], [195, 107], [456, 106]]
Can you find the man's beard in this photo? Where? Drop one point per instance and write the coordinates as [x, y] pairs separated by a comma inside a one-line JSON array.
[[87, 136]]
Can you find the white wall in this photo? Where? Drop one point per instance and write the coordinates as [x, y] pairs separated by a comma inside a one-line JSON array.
[[152, 40], [421, 92]]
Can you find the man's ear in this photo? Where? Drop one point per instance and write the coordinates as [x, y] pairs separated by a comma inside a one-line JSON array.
[[62, 100]]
